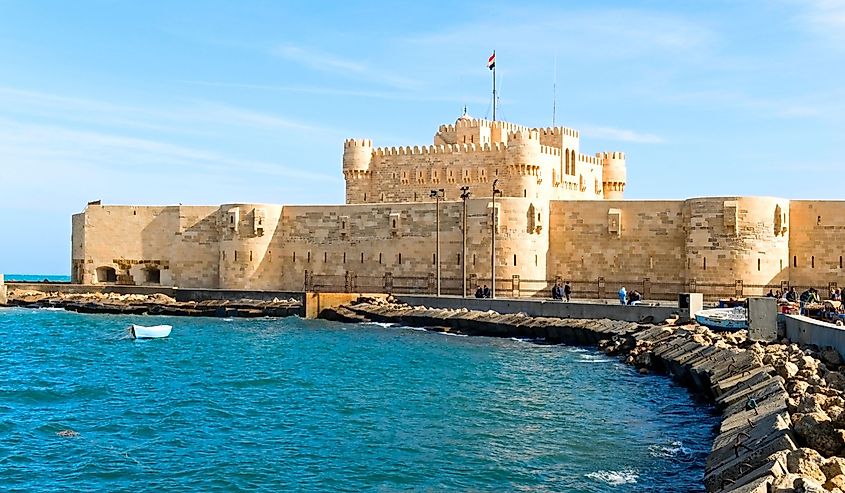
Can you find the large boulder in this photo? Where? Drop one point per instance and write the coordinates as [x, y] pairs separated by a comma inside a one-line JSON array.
[[806, 462], [811, 403], [835, 380], [830, 356], [818, 432], [834, 466], [786, 369], [793, 483]]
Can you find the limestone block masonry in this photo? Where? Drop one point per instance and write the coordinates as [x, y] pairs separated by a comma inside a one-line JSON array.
[[560, 216]]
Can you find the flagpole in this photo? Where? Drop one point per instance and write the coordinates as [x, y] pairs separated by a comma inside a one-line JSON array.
[[494, 85], [554, 95]]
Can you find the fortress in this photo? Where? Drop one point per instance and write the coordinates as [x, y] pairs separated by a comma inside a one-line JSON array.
[[560, 216]]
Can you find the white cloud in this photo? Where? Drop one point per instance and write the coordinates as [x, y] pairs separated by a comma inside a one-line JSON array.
[[183, 118], [620, 134], [337, 65], [608, 33], [823, 17], [781, 108], [392, 95]]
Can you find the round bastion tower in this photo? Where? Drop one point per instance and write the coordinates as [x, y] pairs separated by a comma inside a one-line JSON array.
[[357, 155], [523, 164], [613, 174]]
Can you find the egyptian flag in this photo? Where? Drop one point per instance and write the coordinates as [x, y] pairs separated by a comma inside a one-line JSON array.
[[491, 62]]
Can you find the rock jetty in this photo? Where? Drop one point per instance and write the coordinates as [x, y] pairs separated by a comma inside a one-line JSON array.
[[782, 406], [155, 304]]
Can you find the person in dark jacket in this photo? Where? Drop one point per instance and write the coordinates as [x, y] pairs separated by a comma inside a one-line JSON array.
[[486, 291], [557, 292], [567, 290]]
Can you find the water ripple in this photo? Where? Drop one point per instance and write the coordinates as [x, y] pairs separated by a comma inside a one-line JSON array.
[[290, 404]]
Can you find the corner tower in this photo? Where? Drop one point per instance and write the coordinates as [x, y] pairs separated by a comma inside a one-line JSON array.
[[523, 163], [614, 174], [357, 156]]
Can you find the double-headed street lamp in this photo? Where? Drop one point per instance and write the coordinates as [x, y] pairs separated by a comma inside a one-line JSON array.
[[437, 195], [465, 193], [496, 191]]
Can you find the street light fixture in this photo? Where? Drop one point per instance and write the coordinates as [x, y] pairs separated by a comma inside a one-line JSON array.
[[437, 195], [496, 191], [465, 193]]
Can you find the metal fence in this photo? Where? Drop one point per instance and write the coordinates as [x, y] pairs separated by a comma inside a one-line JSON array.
[[516, 287]]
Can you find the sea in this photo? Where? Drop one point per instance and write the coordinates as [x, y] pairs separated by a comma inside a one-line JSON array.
[[36, 278], [228, 405]]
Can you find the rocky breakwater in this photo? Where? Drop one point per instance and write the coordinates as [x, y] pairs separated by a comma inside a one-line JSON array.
[[782, 406], [155, 304]]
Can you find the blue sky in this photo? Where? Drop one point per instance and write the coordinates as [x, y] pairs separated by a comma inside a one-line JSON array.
[[212, 102]]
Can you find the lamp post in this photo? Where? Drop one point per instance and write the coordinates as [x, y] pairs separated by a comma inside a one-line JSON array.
[[437, 194], [493, 242], [465, 193]]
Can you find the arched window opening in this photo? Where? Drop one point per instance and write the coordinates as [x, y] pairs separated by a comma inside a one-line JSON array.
[[106, 274], [152, 275]]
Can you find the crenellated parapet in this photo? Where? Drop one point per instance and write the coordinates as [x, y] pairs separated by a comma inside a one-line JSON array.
[[439, 149], [558, 132]]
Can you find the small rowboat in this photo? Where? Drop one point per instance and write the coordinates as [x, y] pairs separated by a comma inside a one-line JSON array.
[[723, 318], [153, 332]]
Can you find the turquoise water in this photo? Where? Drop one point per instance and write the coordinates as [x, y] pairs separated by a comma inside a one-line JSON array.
[[36, 278], [294, 405]]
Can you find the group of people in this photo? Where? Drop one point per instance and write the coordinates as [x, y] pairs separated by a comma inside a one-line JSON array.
[[482, 293], [809, 295], [560, 292], [632, 298]]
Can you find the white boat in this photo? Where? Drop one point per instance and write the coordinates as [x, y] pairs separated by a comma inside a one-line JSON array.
[[723, 318], [152, 332]]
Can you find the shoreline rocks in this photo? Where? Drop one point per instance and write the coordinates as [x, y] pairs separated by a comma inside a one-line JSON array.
[[782, 406], [155, 304]]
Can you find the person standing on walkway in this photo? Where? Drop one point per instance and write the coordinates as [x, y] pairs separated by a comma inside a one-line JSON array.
[[623, 296], [567, 290]]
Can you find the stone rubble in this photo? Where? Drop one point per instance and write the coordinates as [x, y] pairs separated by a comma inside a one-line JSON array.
[[153, 304], [783, 406]]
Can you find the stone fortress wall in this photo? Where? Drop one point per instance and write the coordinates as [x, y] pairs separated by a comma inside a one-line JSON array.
[[561, 217]]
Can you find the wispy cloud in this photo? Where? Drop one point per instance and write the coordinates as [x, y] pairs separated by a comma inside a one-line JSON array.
[[341, 66], [823, 17], [392, 95], [25, 144], [179, 118], [780, 108], [609, 33], [620, 134]]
